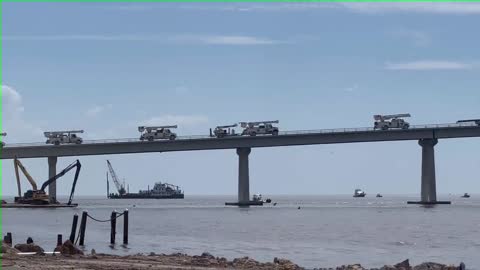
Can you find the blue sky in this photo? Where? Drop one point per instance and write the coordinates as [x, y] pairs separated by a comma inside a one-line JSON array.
[[109, 67]]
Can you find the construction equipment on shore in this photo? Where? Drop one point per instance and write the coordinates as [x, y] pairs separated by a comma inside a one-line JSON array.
[[157, 133], [476, 121], [63, 137], [259, 128], [224, 131], [120, 188], [39, 197], [385, 122], [2, 144]]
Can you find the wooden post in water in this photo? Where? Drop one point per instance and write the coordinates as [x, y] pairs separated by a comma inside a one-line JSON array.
[[59, 240], [125, 227], [113, 224], [73, 232], [9, 239], [83, 227]]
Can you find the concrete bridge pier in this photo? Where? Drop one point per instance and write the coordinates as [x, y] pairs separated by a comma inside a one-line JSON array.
[[429, 186], [52, 171], [243, 176], [243, 179]]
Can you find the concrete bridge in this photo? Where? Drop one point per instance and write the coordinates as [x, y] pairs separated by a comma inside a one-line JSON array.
[[426, 135]]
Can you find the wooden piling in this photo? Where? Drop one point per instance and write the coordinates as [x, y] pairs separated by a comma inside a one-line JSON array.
[[83, 226], [9, 239], [73, 232], [113, 225], [59, 240], [125, 227]]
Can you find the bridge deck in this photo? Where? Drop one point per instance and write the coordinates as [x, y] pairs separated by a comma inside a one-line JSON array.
[[193, 143]]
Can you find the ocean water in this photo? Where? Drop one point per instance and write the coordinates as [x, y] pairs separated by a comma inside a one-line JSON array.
[[326, 231]]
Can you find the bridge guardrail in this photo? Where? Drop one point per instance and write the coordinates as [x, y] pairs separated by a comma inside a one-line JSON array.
[[293, 132]]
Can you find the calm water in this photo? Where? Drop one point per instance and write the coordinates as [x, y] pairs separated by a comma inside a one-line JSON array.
[[326, 231]]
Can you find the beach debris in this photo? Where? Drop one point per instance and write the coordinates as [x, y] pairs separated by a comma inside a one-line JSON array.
[[7, 249], [68, 248], [351, 267], [30, 246], [434, 266]]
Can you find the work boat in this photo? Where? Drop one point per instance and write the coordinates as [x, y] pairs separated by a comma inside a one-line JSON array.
[[259, 198], [466, 195], [359, 193]]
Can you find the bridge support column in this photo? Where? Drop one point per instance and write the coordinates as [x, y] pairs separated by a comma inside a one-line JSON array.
[[243, 179], [52, 171], [243, 176], [428, 188]]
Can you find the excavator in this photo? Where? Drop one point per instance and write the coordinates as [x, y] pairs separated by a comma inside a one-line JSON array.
[[39, 197]]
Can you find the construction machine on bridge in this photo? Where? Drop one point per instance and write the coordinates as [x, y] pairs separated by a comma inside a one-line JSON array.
[[63, 137], [224, 131], [385, 122], [259, 128], [2, 144], [157, 133], [476, 121], [37, 196]]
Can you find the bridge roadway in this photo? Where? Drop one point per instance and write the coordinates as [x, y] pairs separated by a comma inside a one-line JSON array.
[[426, 135], [194, 143]]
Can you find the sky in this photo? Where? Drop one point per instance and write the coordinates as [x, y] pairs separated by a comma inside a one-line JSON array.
[[107, 68]]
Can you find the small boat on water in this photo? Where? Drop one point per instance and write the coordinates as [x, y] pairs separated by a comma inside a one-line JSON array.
[[466, 195], [359, 193], [259, 198], [379, 195]]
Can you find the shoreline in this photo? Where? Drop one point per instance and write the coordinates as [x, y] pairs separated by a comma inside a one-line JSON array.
[[70, 257]]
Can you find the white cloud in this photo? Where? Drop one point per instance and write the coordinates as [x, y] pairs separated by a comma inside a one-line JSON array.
[[262, 7], [352, 88], [429, 65], [224, 40], [97, 109], [426, 7], [370, 8], [188, 39], [11, 102], [417, 38], [133, 7], [187, 121], [13, 122], [181, 90]]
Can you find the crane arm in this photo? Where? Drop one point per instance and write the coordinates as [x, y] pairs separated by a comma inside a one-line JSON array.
[[120, 188], [18, 164], [391, 116], [77, 172], [62, 173], [148, 129], [228, 126], [245, 124], [54, 133]]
